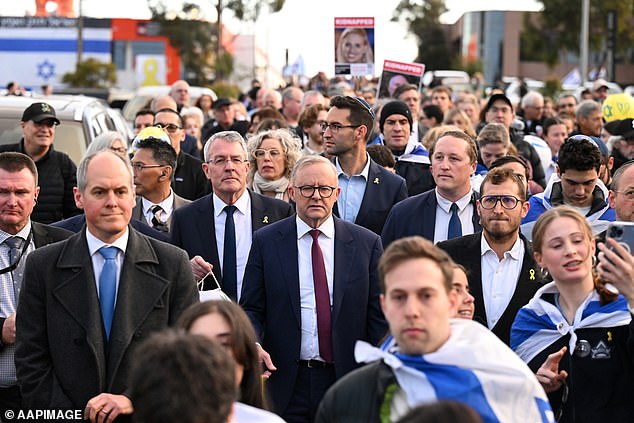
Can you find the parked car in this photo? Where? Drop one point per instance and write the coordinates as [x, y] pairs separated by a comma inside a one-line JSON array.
[[81, 120], [144, 96]]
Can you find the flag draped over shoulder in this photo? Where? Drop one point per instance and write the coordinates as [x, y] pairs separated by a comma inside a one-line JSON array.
[[540, 323], [473, 367]]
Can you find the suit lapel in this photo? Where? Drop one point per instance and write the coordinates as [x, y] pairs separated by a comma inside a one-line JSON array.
[[140, 291], [475, 218], [371, 193], [206, 232], [288, 257], [77, 293], [427, 222], [137, 211], [259, 212], [345, 252], [40, 235], [473, 264]]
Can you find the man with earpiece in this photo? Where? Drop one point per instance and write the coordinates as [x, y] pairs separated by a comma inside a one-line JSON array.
[[153, 163]]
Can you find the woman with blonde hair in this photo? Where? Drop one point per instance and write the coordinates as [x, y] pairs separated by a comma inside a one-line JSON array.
[[575, 334], [272, 155], [457, 117], [354, 47]]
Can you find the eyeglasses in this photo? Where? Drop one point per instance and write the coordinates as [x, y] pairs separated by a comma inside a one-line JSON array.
[[508, 202], [222, 161], [335, 127], [308, 191], [140, 166], [169, 127], [629, 195], [260, 153]]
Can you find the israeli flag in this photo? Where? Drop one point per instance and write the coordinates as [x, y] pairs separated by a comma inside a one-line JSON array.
[[473, 367], [540, 323]]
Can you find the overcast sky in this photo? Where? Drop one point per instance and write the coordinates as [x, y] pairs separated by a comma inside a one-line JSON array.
[[303, 27]]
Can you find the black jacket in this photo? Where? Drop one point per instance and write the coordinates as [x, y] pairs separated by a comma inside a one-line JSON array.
[[190, 181], [57, 175]]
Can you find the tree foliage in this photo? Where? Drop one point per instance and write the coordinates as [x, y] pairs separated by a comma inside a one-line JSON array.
[[91, 73], [558, 27], [199, 42], [423, 21]]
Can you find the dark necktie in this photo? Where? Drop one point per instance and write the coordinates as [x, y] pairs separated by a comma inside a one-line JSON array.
[[455, 227], [108, 286], [322, 300], [15, 246], [229, 271], [156, 219]]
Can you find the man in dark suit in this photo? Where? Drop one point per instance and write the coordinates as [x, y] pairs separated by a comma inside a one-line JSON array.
[[153, 163], [202, 228], [89, 301], [18, 195], [368, 191], [502, 272], [311, 291], [447, 211]]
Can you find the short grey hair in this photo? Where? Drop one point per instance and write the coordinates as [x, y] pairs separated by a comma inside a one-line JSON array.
[[105, 140], [311, 160], [290, 146], [82, 169], [531, 98], [586, 107], [616, 178], [228, 136]]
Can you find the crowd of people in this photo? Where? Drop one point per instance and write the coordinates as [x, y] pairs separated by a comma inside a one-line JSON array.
[[323, 256]]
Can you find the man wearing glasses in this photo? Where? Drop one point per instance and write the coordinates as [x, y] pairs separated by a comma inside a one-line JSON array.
[[153, 166], [311, 290], [216, 230], [55, 169], [368, 191], [502, 272], [189, 179]]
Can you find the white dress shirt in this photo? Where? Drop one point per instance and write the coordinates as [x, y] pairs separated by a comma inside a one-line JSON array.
[[167, 205], [443, 215], [308, 309], [242, 221], [352, 191], [499, 278], [94, 244]]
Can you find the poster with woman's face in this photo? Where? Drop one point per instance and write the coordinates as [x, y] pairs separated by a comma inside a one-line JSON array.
[[396, 74], [354, 46]]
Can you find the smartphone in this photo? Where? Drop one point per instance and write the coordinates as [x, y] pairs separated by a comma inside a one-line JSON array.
[[623, 233]]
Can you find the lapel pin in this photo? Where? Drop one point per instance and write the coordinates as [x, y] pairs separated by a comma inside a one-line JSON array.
[[265, 220], [532, 274], [376, 181]]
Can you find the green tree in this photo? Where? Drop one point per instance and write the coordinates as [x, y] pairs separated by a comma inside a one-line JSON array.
[[91, 73], [423, 21], [192, 37], [558, 27]]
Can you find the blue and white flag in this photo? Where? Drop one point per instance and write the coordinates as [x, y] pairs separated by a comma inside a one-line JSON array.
[[415, 152], [540, 323], [473, 367]]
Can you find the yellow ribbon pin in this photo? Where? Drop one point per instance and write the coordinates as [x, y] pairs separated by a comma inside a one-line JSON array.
[[376, 181], [609, 336], [265, 220], [532, 274]]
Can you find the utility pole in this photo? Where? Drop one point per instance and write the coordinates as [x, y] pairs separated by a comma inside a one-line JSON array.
[[80, 33], [585, 29]]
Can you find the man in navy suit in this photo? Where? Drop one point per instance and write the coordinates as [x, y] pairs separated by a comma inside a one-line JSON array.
[[368, 191], [501, 270], [200, 228], [447, 211], [311, 291]]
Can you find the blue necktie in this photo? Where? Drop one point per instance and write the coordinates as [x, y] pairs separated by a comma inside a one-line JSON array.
[[15, 245], [108, 286], [455, 227], [229, 273]]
